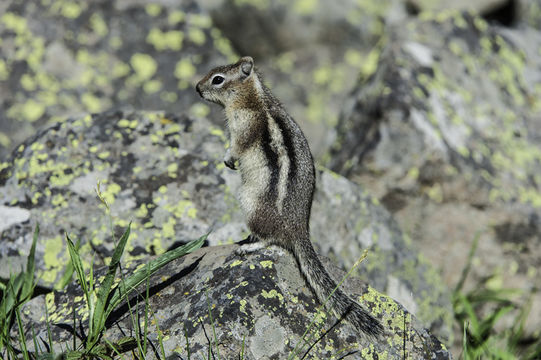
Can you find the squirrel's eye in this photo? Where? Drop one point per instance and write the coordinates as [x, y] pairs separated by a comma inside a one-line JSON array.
[[217, 80]]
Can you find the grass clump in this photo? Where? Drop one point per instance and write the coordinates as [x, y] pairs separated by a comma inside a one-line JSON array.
[[16, 292], [479, 311], [101, 299]]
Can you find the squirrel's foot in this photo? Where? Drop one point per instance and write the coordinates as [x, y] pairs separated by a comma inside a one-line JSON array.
[[249, 245], [249, 240]]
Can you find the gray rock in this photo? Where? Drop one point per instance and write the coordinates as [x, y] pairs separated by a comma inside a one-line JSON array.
[[311, 52], [11, 215], [61, 59], [165, 174], [258, 305], [280, 27], [478, 7], [446, 134]]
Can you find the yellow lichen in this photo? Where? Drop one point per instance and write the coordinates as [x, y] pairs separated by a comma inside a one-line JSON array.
[[305, 7], [272, 294], [143, 65], [53, 246], [165, 40], [235, 263], [153, 9], [184, 69], [175, 17]]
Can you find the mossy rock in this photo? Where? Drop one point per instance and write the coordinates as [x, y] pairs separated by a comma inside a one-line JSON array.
[[64, 58], [164, 173], [446, 134], [214, 301]]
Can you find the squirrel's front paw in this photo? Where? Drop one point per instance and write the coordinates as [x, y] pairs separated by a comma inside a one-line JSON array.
[[230, 163], [229, 160]]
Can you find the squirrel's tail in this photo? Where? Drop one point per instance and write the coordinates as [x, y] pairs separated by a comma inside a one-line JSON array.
[[322, 284]]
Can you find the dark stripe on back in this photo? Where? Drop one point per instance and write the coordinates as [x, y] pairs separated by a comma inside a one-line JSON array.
[[272, 161], [288, 143]]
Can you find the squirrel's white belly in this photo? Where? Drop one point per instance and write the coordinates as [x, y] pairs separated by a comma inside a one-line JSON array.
[[255, 179]]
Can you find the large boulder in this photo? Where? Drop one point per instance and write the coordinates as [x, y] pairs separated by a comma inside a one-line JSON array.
[[59, 59], [214, 301], [446, 134], [165, 174]]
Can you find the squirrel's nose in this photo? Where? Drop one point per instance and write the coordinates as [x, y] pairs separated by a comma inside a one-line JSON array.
[[198, 89]]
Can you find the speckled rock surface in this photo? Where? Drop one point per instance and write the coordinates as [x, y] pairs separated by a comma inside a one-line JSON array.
[[446, 134], [311, 52], [63, 58], [476, 7], [259, 306], [165, 174], [289, 26]]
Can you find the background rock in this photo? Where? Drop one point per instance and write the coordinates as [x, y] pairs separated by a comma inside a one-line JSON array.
[[310, 52], [446, 135], [64, 58], [478, 7]]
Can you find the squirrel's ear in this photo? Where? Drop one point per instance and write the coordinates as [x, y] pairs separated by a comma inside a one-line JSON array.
[[246, 65]]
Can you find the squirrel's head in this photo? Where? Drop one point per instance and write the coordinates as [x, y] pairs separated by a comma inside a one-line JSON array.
[[230, 84]]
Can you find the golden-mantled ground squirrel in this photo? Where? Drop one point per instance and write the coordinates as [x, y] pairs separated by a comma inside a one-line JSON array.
[[278, 178]]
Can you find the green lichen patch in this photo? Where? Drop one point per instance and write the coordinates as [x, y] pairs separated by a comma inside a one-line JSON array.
[[108, 62], [56, 174]]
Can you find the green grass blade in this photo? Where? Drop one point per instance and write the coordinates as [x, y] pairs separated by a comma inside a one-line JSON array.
[[21, 334], [472, 316], [464, 341], [487, 324], [87, 288], [160, 338], [466, 269], [68, 273], [147, 308], [49, 333], [28, 281], [121, 291], [37, 347], [501, 296], [74, 334], [9, 304], [6, 307], [78, 265], [242, 347], [105, 287], [212, 325]]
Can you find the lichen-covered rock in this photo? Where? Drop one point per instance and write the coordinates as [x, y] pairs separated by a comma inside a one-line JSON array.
[[165, 174], [64, 58], [282, 26], [311, 52], [158, 171], [446, 133], [478, 7], [214, 301]]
